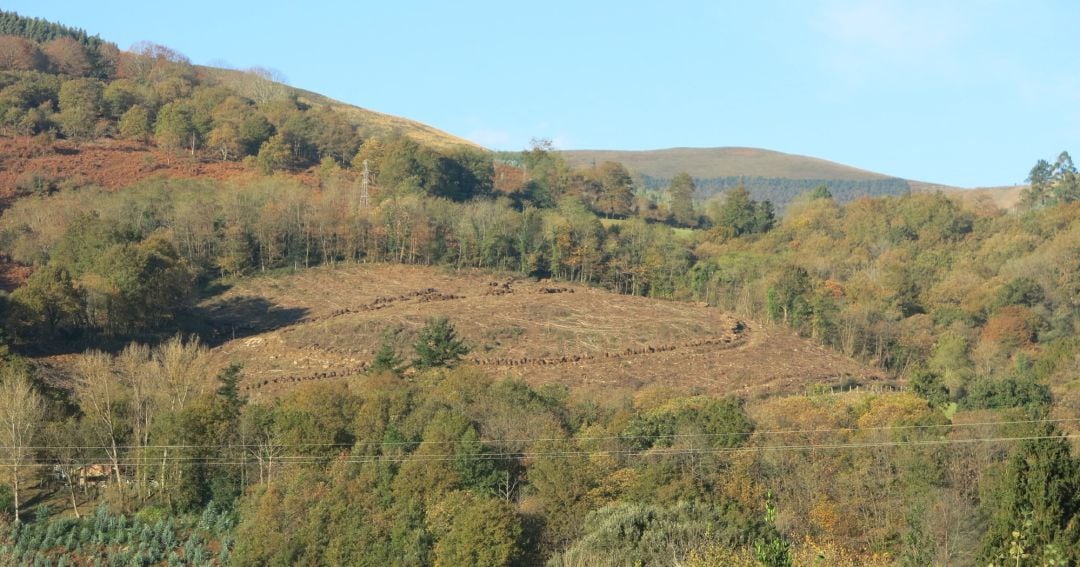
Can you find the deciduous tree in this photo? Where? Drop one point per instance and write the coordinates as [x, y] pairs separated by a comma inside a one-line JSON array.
[[49, 305], [681, 192], [739, 215], [19, 54], [135, 124], [474, 530], [67, 56], [617, 190], [174, 128], [119, 96], [21, 413], [80, 107], [104, 401]]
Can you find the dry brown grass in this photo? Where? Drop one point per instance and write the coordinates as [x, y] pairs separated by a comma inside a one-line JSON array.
[[588, 339], [107, 163]]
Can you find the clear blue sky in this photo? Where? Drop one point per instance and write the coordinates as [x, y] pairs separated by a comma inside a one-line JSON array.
[[964, 93]]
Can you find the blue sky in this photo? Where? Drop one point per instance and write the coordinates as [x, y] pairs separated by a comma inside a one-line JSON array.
[[963, 93]]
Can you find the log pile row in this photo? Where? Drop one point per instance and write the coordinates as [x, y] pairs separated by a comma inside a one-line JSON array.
[[497, 288], [529, 361], [433, 295], [382, 302], [438, 296], [305, 378], [551, 289], [648, 349]]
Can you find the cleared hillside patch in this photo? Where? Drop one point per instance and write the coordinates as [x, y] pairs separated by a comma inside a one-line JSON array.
[[541, 332]]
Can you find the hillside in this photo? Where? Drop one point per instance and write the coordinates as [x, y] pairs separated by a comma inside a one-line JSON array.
[[708, 163], [368, 123], [585, 338], [106, 163], [775, 175], [768, 175], [78, 111], [222, 347]]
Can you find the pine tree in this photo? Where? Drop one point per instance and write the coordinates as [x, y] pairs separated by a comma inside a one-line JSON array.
[[229, 378], [386, 358], [438, 345], [1041, 484]]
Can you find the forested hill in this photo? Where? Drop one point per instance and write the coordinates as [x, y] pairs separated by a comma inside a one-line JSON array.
[[368, 123], [768, 175], [248, 325], [175, 100]]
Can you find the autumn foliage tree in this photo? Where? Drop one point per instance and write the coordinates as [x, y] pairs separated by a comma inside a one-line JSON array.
[[682, 200], [20, 54], [615, 196], [67, 56]]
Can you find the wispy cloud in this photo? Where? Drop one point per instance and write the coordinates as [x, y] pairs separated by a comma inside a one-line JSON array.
[[870, 37], [490, 138], [563, 142]]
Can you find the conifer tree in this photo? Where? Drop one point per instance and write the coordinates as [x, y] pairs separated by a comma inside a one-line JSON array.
[[386, 358], [1038, 499], [438, 345]]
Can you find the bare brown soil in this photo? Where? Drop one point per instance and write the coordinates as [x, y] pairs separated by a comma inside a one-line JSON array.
[[326, 323]]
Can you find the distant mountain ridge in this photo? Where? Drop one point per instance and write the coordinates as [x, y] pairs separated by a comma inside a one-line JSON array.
[[768, 175], [708, 163]]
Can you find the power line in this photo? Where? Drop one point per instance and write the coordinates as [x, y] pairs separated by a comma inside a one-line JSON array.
[[524, 455], [774, 432]]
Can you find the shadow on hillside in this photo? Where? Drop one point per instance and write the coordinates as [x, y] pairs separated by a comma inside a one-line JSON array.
[[243, 316], [223, 321]]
